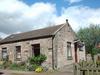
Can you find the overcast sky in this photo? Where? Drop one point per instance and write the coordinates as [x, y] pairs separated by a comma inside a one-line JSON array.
[[24, 15]]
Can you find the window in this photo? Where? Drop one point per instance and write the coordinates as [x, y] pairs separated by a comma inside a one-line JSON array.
[[80, 48], [69, 51], [4, 54], [18, 52]]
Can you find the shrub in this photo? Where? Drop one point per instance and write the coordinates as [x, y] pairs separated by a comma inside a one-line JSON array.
[[21, 63], [39, 69], [13, 66], [84, 63], [6, 64], [32, 67], [98, 63], [37, 59], [1, 62], [34, 63], [18, 66]]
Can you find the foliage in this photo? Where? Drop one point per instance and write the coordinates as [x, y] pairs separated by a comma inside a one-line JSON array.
[[37, 59], [13, 66], [6, 59], [87, 68], [91, 37], [1, 62], [18, 66], [32, 67], [34, 64], [6, 64], [89, 63], [98, 63], [39, 69], [95, 51], [22, 63]]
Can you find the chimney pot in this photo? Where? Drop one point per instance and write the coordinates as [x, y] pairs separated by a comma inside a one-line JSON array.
[[66, 20]]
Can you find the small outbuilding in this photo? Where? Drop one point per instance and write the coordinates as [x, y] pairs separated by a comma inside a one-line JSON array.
[[58, 43]]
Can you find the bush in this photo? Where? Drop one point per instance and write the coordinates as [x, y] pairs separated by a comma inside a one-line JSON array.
[[98, 63], [6, 64], [34, 63], [1, 62], [21, 63], [39, 69], [37, 59], [86, 63], [32, 67], [13, 66], [18, 66]]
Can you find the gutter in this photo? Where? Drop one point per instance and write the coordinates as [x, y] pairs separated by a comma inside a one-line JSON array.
[[21, 40], [53, 53]]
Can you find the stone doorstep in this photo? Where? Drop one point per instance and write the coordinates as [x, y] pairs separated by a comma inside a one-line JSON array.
[[66, 68]]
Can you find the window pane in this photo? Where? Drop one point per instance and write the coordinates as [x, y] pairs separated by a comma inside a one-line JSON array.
[[4, 53], [69, 52], [18, 52], [80, 48]]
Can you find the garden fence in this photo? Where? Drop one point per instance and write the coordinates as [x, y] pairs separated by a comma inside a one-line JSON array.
[[85, 68]]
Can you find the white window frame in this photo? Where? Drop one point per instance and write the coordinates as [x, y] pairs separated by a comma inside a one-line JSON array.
[[18, 53], [69, 51], [4, 53]]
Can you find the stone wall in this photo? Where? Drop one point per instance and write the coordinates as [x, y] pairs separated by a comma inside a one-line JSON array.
[[45, 48], [81, 54], [60, 46], [64, 35], [59, 56]]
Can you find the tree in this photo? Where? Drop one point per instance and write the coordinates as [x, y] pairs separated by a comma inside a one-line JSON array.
[[91, 36]]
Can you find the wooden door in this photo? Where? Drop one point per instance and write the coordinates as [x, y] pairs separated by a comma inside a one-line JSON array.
[[75, 48]]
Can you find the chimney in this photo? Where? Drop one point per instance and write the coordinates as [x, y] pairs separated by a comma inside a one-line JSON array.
[[67, 20], [0, 39]]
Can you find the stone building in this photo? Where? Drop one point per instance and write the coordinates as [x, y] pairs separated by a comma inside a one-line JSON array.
[[58, 43], [0, 38]]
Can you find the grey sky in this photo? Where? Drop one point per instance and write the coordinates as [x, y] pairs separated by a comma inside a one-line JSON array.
[[16, 16]]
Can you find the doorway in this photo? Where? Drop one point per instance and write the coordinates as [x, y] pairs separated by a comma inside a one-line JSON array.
[[36, 49], [75, 48]]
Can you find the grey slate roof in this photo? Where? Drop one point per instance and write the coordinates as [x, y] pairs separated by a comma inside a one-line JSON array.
[[0, 39], [39, 33]]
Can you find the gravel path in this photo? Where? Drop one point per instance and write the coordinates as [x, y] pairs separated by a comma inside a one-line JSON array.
[[9, 72]]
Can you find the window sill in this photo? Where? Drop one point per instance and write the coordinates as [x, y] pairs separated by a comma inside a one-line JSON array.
[[69, 58], [18, 59]]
